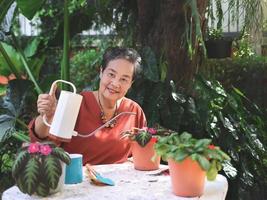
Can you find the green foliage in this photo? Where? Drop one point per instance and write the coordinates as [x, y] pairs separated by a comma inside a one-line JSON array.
[[16, 107], [181, 146], [143, 138], [60, 154], [208, 110], [22, 158], [243, 48], [30, 175], [84, 67], [35, 61], [52, 170], [15, 59], [4, 5], [192, 33], [215, 34], [235, 124], [144, 135], [2, 90], [29, 7], [247, 74], [8, 149], [42, 189]]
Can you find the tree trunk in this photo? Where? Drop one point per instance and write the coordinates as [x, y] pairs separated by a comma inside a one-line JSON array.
[[161, 27]]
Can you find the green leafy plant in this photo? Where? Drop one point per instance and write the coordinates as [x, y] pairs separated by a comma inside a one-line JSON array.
[[215, 34], [243, 48], [144, 135], [84, 67], [37, 168], [181, 146]]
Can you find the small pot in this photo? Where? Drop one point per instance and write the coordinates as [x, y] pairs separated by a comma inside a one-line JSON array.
[[187, 177], [142, 156]]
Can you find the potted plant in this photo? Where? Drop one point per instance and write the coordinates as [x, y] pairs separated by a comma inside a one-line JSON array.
[[216, 45], [39, 168], [190, 160], [143, 141]]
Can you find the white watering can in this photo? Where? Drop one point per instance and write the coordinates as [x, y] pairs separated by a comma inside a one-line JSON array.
[[67, 110]]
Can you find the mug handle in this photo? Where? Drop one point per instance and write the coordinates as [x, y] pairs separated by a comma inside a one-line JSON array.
[[51, 93]]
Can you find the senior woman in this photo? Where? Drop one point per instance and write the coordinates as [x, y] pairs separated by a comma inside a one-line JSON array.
[[118, 71]]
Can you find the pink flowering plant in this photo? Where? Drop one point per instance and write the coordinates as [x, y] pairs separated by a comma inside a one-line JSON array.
[[144, 135], [38, 167]]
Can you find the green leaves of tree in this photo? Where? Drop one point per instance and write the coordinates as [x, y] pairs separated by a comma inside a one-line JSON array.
[[16, 106], [29, 7]]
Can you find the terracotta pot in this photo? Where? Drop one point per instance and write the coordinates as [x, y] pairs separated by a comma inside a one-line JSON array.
[[187, 177], [142, 157]]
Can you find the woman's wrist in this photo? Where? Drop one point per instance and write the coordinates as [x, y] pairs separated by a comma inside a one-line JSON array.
[[40, 129]]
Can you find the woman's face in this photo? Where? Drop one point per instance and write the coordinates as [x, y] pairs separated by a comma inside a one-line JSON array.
[[116, 79]]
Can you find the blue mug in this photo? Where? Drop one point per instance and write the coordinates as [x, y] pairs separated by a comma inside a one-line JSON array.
[[74, 171]]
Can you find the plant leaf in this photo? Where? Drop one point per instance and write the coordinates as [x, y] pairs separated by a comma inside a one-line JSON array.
[[213, 171], [20, 184], [7, 124], [42, 189], [61, 154], [20, 162], [29, 7], [52, 170], [202, 143], [203, 161], [31, 175], [143, 138], [180, 155], [4, 7]]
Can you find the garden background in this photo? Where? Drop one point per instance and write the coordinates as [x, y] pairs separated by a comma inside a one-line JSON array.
[[180, 87]]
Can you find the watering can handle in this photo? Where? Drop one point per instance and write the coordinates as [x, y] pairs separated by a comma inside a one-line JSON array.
[[51, 93], [63, 81]]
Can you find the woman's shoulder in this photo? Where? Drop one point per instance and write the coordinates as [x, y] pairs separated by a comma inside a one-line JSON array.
[[88, 97], [87, 93], [129, 103]]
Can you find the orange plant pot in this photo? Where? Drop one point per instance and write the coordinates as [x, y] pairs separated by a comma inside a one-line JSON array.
[[187, 177], [142, 157]]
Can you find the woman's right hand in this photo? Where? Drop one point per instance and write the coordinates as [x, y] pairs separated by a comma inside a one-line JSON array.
[[46, 105]]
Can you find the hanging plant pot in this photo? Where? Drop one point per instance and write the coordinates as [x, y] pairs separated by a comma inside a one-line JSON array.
[[187, 178], [142, 156], [219, 48]]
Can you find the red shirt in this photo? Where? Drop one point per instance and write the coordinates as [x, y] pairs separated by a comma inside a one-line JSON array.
[[105, 146]]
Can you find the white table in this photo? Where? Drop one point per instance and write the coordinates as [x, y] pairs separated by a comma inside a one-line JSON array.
[[130, 184]]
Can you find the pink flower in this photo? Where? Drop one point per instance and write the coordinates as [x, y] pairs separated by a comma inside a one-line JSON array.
[[33, 148], [45, 150], [152, 131]]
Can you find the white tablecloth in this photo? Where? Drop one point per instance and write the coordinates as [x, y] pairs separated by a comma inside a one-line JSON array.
[[130, 184]]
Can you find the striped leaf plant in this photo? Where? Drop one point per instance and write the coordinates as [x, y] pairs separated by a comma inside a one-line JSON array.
[[38, 167]]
